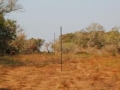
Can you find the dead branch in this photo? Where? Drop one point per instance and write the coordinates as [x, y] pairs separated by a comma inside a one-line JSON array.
[[8, 6]]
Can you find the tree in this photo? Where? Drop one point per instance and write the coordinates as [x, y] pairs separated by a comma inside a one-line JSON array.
[[7, 6], [93, 39], [67, 38], [19, 41], [47, 45], [113, 40], [95, 35], [7, 27], [81, 38], [7, 32], [24, 45], [33, 45], [2, 34]]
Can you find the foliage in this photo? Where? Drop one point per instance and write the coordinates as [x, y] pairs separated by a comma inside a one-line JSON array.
[[92, 39], [8, 27], [24, 45], [80, 38], [113, 40], [7, 6], [68, 47], [7, 32], [32, 45], [10, 62], [68, 37], [12, 36]]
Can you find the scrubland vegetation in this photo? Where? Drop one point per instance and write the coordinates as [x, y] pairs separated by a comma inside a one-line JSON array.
[[93, 39], [91, 58]]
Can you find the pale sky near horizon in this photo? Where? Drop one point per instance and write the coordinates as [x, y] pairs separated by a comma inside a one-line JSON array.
[[43, 18]]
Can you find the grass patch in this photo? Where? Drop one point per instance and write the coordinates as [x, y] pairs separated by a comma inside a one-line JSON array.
[[9, 61], [13, 61], [113, 63], [37, 63], [4, 89], [83, 54]]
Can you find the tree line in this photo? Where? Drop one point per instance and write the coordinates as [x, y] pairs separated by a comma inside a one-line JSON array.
[[12, 37], [92, 39]]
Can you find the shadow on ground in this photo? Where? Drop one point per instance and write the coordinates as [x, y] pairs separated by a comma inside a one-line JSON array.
[[10, 62], [4, 89]]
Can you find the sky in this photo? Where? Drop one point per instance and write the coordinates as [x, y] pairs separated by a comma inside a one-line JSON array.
[[43, 18]]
